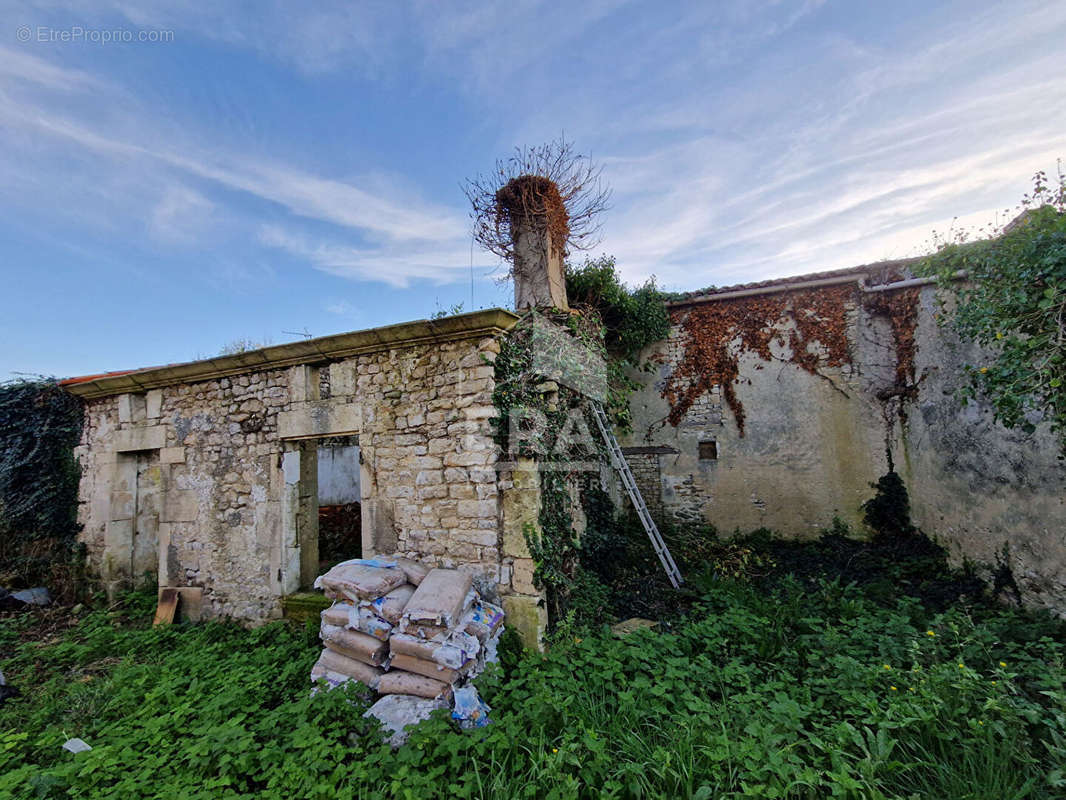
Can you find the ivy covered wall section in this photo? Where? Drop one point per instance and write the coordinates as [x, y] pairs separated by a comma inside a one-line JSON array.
[[544, 427], [40, 424]]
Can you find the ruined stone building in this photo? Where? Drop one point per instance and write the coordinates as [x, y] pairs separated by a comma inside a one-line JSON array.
[[774, 404], [803, 438], [210, 476], [206, 474]]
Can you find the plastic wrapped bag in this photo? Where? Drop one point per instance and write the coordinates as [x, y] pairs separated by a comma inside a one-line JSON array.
[[356, 618], [431, 669], [483, 620], [437, 604], [470, 709], [337, 669], [452, 651]]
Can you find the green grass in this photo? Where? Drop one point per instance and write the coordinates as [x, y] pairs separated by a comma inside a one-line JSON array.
[[754, 694]]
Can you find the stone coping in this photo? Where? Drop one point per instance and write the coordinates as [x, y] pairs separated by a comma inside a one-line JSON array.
[[322, 349]]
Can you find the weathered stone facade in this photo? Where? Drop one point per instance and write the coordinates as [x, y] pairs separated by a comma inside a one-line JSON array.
[[813, 445], [204, 474]]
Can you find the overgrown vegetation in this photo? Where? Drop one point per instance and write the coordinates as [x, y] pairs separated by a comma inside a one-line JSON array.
[[40, 424], [793, 692], [547, 421], [629, 319], [1013, 304]]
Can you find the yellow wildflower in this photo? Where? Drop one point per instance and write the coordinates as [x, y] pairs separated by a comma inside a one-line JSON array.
[[962, 666], [555, 749], [887, 666], [930, 633], [993, 683], [1003, 663], [984, 370], [893, 688]]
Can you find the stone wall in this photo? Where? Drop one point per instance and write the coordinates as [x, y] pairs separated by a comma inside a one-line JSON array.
[[814, 443], [231, 465]]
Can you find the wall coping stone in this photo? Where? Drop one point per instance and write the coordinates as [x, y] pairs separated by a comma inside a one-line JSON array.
[[324, 348]]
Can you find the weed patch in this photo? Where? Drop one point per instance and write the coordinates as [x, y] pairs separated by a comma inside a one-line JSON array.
[[800, 692]]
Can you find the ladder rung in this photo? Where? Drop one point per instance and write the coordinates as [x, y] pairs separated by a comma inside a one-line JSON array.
[[620, 464]]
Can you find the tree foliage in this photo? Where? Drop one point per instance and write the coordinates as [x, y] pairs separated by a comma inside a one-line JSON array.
[[1013, 304], [632, 318]]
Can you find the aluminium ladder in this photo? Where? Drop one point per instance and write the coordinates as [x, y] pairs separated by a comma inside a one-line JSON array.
[[618, 461]]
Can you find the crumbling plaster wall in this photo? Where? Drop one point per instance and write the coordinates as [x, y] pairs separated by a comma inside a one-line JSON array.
[[226, 449], [814, 444]]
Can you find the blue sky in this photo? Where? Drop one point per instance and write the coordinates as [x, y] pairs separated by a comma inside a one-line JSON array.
[[280, 167]]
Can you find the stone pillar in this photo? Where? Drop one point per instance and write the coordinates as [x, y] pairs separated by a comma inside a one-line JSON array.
[[539, 280], [539, 228]]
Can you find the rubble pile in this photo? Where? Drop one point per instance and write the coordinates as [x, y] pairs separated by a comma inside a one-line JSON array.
[[405, 629]]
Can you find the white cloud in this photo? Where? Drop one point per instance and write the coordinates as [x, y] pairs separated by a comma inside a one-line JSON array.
[[397, 267], [181, 216], [129, 168]]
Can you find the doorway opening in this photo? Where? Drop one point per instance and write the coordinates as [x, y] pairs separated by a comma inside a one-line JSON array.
[[340, 530]]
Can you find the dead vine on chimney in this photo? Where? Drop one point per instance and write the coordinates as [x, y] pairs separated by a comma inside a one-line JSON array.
[[533, 185], [538, 201]]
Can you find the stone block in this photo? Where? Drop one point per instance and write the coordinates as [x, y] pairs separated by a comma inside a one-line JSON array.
[[153, 401], [467, 459], [122, 505], [483, 538], [320, 418], [528, 617], [180, 505], [172, 455], [379, 528], [125, 409], [342, 381], [150, 437], [522, 576], [476, 508], [480, 412]]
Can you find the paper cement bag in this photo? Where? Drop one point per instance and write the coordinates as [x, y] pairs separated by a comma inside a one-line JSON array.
[[399, 682], [354, 644]]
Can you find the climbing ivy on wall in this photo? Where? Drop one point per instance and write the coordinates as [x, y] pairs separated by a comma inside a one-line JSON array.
[[536, 420], [716, 335], [40, 424], [900, 308], [622, 322], [804, 327]]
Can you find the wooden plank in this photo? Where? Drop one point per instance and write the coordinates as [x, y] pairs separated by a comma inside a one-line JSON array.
[[168, 607]]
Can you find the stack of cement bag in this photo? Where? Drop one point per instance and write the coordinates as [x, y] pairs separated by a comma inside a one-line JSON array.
[[402, 628]]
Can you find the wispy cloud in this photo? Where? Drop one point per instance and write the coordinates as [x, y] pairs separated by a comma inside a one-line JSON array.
[[741, 142], [397, 267], [141, 170]]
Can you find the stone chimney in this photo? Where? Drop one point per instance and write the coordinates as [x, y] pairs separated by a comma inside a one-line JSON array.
[[539, 229]]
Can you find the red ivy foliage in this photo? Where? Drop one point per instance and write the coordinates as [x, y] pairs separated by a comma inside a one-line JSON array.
[[717, 334]]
